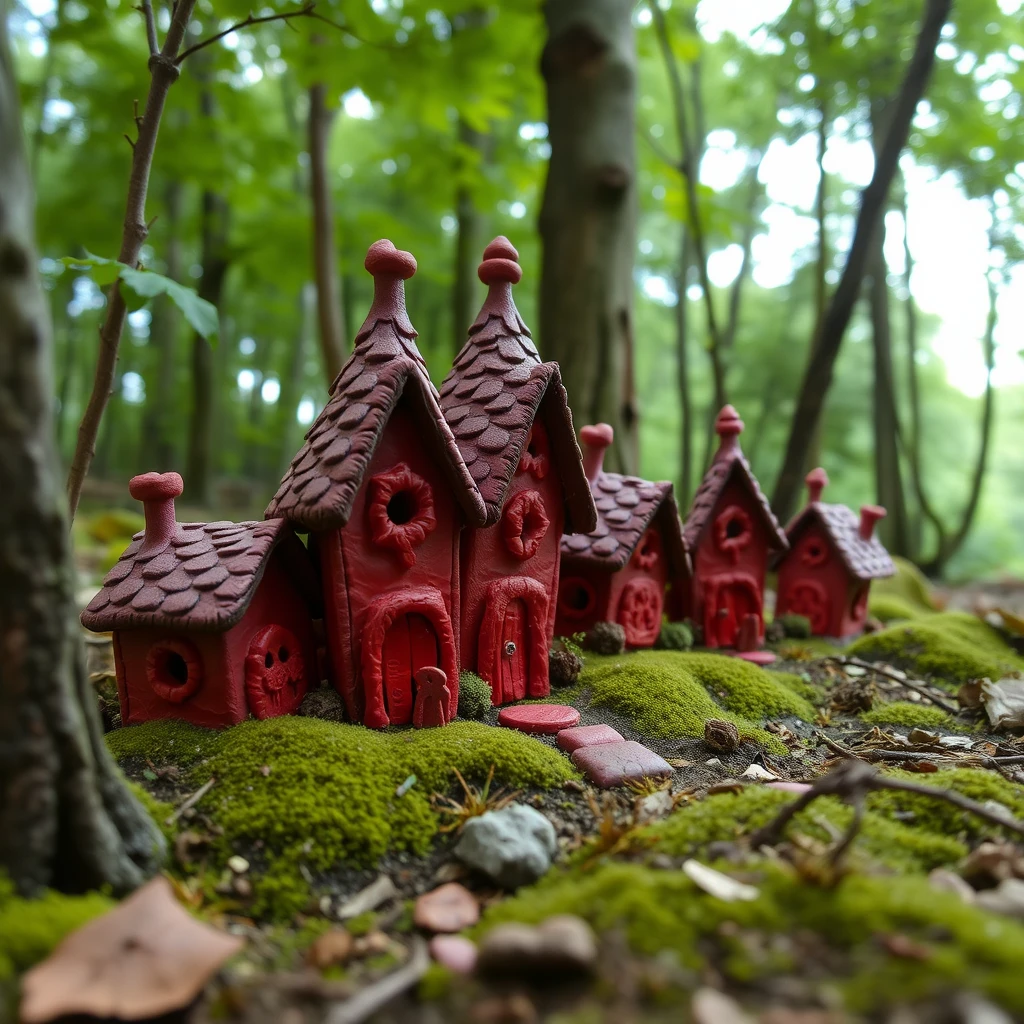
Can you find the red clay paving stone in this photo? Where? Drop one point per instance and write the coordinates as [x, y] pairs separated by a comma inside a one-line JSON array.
[[587, 736], [757, 657], [539, 717], [614, 764]]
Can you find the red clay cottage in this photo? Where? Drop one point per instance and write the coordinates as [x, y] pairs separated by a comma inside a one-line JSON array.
[[619, 571], [511, 420], [730, 533], [384, 493], [211, 622], [834, 555]]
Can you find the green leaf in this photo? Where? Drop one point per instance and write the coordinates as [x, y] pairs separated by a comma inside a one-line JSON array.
[[201, 315], [102, 271]]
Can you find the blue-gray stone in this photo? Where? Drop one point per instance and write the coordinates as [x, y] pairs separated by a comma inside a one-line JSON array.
[[512, 847]]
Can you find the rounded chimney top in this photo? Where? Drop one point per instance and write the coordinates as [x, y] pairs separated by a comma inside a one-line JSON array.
[[595, 438], [500, 264], [384, 260], [156, 486], [728, 424], [157, 492], [869, 515], [817, 481]]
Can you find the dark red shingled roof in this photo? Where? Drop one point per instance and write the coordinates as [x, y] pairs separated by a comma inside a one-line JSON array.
[[323, 479], [626, 507], [729, 459], [198, 576], [495, 389], [865, 558]]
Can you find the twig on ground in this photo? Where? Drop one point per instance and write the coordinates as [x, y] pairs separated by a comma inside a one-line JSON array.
[[970, 757], [367, 1002], [910, 684], [190, 802]]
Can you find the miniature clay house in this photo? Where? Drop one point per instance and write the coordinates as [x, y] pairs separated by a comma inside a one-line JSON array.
[[210, 621], [511, 420], [384, 493], [619, 571], [730, 533], [834, 555]]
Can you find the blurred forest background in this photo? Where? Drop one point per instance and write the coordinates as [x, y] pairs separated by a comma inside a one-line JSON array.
[[288, 146]]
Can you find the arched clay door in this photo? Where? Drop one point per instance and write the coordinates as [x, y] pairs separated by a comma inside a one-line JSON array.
[[515, 654], [275, 673], [640, 609], [409, 645], [809, 598], [729, 600]]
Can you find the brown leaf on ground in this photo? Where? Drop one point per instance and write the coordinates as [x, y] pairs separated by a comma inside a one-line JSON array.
[[146, 957]]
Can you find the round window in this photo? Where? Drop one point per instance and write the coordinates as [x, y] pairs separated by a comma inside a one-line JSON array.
[[401, 511], [733, 530], [174, 670], [576, 597], [813, 551], [524, 524]]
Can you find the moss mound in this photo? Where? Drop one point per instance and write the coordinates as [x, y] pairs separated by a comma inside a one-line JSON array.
[[660, 910], [669, 693], [31, 929], [891, 608], [909, 585], [950, 646], [908, 714], [316, 794], [474, 695]]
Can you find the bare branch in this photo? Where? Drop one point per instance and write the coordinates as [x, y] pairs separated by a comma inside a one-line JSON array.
[[910, 684], [659, 150], [305, 10], [147, 12]]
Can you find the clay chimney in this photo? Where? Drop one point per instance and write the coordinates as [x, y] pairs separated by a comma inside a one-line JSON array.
[[817, 481], [728, 426], [389, 267], [157, 492], [869, 515], [595, 440]]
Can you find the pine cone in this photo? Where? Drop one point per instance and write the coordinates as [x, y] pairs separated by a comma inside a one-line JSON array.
[[563, 667], [606, 638], [721, 736]]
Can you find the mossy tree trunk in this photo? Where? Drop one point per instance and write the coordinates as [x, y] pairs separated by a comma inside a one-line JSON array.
[[66, 817], [588, 217]]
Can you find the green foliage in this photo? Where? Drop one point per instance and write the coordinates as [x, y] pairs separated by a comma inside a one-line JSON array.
[[674, 636], [30, 929], [950, 646], [908, 714], [909, 585], [797, 627], [474, 695], [892, 608], [667, 693], [115, 526], [329, 796]]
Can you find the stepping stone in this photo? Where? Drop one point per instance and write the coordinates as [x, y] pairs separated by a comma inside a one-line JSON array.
[[757, 657], [614, 764], [587, 736], [539, 717]]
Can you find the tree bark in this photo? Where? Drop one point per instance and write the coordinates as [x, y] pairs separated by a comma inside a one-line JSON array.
[[329, 300], [818, 375], [164, 73], [467, 242], [821, 264], [683, 369], [588, 216], [66, 816]]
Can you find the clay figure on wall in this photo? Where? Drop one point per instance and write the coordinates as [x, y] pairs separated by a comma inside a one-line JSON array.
[[619, 572], [730, 533], [511, 420], [834, 555], [382, 488], [211, 622]]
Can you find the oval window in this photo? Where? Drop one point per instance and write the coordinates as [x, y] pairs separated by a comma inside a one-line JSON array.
[[813, 551], [401, 511], [733, 530], [524, 524], [174, 670], [576, 597]]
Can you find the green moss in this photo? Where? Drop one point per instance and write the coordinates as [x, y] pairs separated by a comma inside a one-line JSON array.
[[951, 646], [474, 695], [725, 817], [891, 608], [659, 910], [31, 929], [362, 924], [909, 585], [669, 693], [163, 742], [797, 627], [906, 713], [674, 636], [329, 796]]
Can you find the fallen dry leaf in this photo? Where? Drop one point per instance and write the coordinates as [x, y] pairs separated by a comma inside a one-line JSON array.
[[146, 957], [1004, 702]]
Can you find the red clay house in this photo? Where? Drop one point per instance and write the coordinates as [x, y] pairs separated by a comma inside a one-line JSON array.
[[826, 575], [510, 417], [211, 621], [730, 533], [619, 571], [384, 493]]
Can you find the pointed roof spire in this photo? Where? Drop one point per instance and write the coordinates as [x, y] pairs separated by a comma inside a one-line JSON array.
[[817, 481], [728, 426]]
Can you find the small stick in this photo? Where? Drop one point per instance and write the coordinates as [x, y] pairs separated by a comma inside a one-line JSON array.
[[191, 801], [367, 1002], [910, 684]]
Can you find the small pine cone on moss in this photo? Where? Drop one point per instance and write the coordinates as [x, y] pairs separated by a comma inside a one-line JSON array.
[[563, 667], [721, 736], [606, 638]]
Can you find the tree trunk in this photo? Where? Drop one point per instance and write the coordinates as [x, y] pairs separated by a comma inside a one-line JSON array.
[[821, 263], [467, 243], [199, 462], [588, 216], [329, 299], [818, 375], [683, 369], [157, 447], [291, 384], [66, 816]]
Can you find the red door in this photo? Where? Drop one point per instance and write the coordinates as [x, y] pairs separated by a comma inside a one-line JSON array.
[[409, 645], [732, 602], [640, 611], [515, 662], [808, 597]]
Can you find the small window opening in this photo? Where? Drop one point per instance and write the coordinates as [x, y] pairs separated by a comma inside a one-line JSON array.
[[402, 507], [283, 654], [268, 659], [733, 528], [176, 668], [578, 598]]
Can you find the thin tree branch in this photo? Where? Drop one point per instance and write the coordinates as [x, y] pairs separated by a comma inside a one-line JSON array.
[[659, 150], [306, 9], [151, 37], [910, 684]]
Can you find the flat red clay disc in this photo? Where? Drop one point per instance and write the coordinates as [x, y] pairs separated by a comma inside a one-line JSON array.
[[539, 717]]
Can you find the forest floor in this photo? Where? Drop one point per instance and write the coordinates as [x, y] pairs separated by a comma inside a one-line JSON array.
[[920, 919]]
